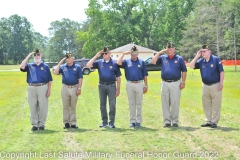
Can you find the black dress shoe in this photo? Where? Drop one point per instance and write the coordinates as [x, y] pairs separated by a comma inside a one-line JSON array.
[[132, 125], [138, 125], [34, 128], [214, 125], [167, 125], [42, 128], [103, 125], [175, 125], [74, 126], [206, 125], [67, 125], [111, 125]]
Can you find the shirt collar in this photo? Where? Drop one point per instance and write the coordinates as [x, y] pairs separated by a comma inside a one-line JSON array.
[[110, 60], [66, 65], [210, 59], [175, 54], [133, 60], [34, 63]]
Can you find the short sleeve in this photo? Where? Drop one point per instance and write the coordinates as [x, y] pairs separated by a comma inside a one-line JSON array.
[[197, 64], [95, 64], [159, 60]]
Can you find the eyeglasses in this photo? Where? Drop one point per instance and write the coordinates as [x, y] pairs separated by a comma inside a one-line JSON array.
[[36, 54], [204, 51], [105, 53]]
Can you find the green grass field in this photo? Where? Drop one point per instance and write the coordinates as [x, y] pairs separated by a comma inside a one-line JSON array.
[[151, 141]]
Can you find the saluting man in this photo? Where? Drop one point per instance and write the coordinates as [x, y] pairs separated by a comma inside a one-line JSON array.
[[71, 89], [212, 74], [109, 73], [137, 85], [173, 69], [39, 81]]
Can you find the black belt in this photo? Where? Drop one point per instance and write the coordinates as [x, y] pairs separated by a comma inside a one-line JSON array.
[[107, 83], [71, 86], [36, 84], [210, 84], [135, 81], [171, 80]]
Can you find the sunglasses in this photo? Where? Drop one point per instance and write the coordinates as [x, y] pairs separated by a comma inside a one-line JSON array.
[[36, 54], [205, 51], [105, 53]]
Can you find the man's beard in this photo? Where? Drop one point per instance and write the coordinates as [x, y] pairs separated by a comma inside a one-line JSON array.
[[37, 60]]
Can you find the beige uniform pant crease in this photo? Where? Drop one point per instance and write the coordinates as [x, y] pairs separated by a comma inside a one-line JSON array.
[[170, 94], [212, 100], [69, 100], [38, 103], [135, 97]]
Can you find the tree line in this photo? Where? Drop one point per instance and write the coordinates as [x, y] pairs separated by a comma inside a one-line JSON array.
[[149, 23]]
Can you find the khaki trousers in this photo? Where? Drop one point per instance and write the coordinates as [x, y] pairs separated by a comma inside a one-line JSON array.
[[38, 103], [170, 94], [211, 100], [69, 100], [135, 97]]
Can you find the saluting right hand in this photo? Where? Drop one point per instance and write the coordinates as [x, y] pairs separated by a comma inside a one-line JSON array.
[[199, 53], [99, 53], [163, 51], [127, 52]]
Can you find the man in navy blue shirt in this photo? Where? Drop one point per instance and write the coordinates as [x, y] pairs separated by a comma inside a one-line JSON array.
[[39, 81], [212, 74], [109, 73], [137, 85], [71, 89], [173, 69]]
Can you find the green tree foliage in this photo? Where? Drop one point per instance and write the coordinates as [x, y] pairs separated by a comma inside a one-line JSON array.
[[4, 38], [18, 39], [150, 23], [211, 22], [63, 39], [41, 42]]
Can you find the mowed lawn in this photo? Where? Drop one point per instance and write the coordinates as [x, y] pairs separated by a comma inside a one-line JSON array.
[[151, 141]]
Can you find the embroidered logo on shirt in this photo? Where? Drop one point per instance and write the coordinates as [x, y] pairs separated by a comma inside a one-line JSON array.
[[175, 61], [74, 69], [165, 61], [211, 65], [139, 66], [42, 68], [110, 67]]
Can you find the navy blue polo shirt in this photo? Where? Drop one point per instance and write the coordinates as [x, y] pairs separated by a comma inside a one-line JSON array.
[[70, 74], [134, 70], [210, 71], [37, 73], [107, 71], [171, 68]]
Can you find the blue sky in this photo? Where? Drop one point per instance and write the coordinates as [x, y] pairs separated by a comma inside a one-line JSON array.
[[41, 13]]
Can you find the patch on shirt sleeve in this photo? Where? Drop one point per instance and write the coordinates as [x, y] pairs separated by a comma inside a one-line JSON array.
[[220, 62]]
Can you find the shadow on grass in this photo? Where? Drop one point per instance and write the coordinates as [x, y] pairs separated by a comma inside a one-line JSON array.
[[76, 130], [46, 131], [142, 128], [225, 129], [184, 128]]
